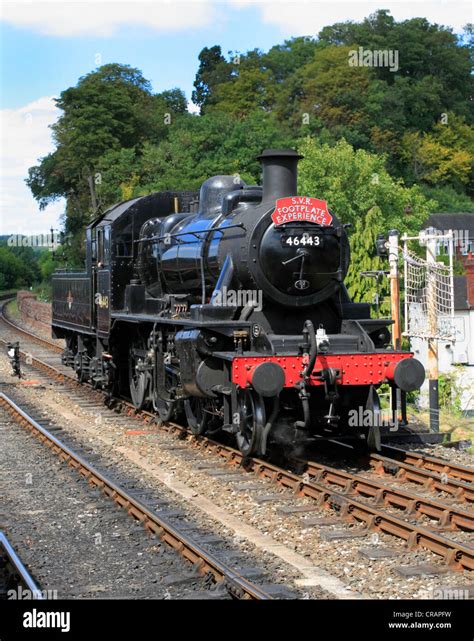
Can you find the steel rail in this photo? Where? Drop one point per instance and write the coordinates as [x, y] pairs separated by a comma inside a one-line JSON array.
[[203, 561], [18, 568], [29, 359], [33, 337], [459, 490], [457, 554], [430, 463], [447, 515]]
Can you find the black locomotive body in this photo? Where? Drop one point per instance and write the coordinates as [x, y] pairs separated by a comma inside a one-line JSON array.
[[230, 309]]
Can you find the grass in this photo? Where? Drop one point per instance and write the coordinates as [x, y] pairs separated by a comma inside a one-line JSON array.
[[12, 310], [459, 428], [7, 292], [43, 292]]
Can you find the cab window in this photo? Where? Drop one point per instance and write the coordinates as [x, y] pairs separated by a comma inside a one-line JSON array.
[[107, 245]]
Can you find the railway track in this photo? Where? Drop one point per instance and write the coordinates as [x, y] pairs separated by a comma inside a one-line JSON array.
[[462, 491], [33, 338], [447, 516], [355, 499], [14, 575], [203, 563], [429, 463]]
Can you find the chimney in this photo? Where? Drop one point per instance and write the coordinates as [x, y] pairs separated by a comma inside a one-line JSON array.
[[279, 173], [469, 267]]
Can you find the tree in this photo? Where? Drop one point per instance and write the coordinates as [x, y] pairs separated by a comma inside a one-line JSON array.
[[444, 156], [364, 259], [46, 181], [117, 168], [18, 267], [448, 200], [425, 51], [108, 109], [47, 265], [215, 144], [175, 100], [360, 191], [213, 69], [354, 181], [333, 95], [284, 60]]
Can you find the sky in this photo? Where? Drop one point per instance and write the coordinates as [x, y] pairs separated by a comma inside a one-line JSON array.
[[45, 47]]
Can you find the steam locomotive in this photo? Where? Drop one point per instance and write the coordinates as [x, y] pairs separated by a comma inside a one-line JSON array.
[[228, 309]]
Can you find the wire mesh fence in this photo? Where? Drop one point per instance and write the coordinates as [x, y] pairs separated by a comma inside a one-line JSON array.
[[429, 291]]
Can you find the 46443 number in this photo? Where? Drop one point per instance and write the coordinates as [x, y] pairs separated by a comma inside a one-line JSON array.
[[295, 240]]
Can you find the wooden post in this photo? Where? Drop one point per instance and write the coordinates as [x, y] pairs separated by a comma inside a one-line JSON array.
[[432, 341], [394, 288]]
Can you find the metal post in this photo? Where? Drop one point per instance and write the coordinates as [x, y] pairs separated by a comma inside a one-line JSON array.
[[395, 311], [405, 281], [451, 269], [433, 330]]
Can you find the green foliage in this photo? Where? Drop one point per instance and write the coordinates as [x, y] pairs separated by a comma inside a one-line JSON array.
[[284, 60], [47, 264], [46, 182], [360, 191], [248, 89], [17, 269], [116, 168], [364, 259], [22, 267], [333, 95], [116, 139], [44, 291], [354, 181], [213, 70], [175, 100], [108, 110], [444, 156], [427, 52], [448, 199], [215, 144], [450, 393]]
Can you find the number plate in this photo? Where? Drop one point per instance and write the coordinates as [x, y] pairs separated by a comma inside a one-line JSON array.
[[303, 239]]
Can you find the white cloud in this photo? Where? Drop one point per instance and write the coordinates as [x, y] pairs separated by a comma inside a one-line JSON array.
[[69, 18], [300, 17], [103, 18], [25, 137]]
